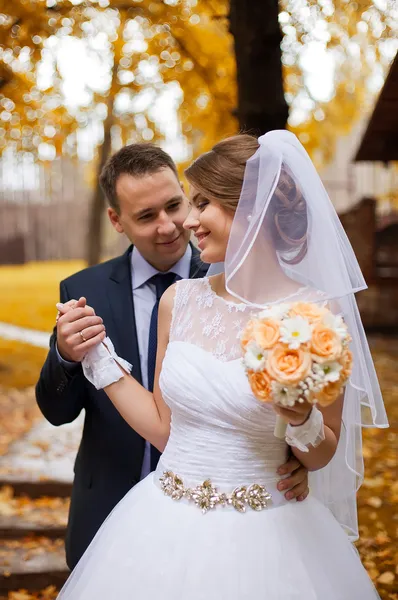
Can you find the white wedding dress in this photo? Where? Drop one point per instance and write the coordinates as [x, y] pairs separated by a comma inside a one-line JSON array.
[[154, 547]]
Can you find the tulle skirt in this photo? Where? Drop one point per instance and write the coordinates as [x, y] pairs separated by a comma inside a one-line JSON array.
[[154, 548]]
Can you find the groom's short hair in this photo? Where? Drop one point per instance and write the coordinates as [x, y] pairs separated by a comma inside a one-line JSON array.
[[137, 160]]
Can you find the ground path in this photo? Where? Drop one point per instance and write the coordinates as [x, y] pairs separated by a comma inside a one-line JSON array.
[[41, 464]]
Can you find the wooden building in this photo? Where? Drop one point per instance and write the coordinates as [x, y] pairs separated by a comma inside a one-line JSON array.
[[377, 247]]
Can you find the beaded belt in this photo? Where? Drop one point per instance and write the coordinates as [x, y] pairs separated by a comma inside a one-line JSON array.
[[206, 496]]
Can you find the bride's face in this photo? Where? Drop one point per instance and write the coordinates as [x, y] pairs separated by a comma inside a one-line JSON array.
[[211, 225]]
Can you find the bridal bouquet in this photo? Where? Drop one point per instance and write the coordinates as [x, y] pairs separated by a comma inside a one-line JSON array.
[[296, 352]]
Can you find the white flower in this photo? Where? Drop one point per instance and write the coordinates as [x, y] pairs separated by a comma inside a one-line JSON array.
[[336, 324], [254, 357], [327, 372], [295, 331], [276, 311], [285, 395]]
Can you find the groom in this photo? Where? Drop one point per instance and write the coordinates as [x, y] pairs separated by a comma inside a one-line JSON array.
[[148, 205]]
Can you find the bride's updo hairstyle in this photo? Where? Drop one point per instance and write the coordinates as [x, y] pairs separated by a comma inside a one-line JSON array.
[[218, 175]]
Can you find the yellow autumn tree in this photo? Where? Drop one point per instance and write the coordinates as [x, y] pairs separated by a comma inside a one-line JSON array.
[[356, 42], [143, 47], [187, 42]]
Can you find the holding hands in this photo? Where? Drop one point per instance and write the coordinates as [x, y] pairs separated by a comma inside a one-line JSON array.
[[78, 329]]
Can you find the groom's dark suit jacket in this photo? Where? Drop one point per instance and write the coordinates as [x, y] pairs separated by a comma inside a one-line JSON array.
[[110, 455]]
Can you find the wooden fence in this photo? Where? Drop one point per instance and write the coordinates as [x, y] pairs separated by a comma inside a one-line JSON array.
[[44, 211]]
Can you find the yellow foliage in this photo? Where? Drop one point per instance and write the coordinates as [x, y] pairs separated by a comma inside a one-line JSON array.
[[354, 34], [185, 42], [28, 293], [199, 54]]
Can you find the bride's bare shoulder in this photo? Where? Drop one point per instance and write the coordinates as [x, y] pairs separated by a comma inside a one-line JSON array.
[[167, 300]]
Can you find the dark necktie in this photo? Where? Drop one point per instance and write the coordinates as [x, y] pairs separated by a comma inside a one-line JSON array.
[[162, 281]]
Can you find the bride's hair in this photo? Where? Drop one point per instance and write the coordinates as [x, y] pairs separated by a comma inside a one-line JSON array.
[[218, 175]]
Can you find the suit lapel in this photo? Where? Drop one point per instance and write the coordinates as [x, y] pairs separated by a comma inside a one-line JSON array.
[[120, 299], [121, 303]]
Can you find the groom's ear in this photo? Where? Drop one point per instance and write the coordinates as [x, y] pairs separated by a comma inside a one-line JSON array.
[[114, 218]]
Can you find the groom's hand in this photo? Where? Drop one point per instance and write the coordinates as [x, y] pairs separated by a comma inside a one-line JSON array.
[[295, 485], [78, 329]]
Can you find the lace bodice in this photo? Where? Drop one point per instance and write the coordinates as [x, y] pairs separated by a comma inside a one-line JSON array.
[[202, 318], [219, 430]]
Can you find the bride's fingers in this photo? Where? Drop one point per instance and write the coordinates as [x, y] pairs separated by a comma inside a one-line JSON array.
[[296, 415], [68, 313], [64, 307]]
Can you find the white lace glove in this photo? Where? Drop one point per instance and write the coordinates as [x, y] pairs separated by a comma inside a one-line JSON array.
[[100, 365], [312, 432]]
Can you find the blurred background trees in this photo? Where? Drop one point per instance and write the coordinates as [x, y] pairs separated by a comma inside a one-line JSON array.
[[81, 78]]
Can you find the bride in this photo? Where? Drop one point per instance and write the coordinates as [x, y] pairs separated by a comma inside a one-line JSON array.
[[191, 530]]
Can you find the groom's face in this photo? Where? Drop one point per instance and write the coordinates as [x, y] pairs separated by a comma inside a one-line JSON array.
[[152, 210]]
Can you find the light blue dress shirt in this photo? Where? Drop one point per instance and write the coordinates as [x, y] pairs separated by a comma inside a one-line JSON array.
[[144, 298]]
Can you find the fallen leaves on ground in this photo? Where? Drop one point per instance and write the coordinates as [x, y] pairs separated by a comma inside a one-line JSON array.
[[45, 511], [20, 364], [18, 412], [378, 496], [50, 593], [30, 549]]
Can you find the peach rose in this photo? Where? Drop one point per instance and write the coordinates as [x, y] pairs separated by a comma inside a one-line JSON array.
[[266, 333], [260, 383], [325, 344], [329, 394], [288, 366], [309, 311], [248, 335], [346, 361]]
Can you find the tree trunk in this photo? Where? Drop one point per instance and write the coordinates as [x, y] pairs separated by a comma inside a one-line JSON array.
[[261, 102], [96, 216]]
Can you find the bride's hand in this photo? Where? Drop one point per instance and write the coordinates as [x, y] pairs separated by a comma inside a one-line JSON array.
[[294, 415], [67, 306]]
